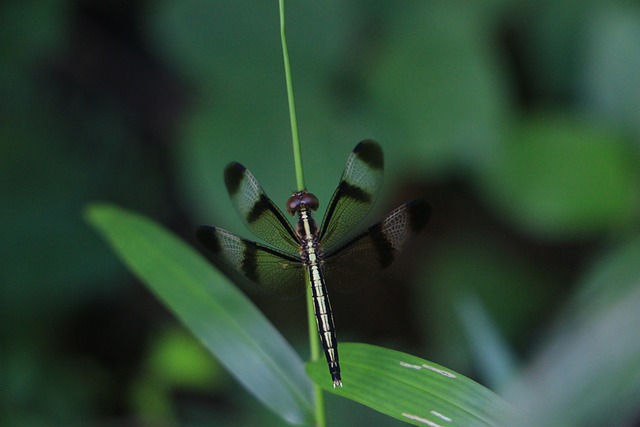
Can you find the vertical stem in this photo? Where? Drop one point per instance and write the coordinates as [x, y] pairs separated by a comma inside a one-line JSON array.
[[314, 345], [297, 156]]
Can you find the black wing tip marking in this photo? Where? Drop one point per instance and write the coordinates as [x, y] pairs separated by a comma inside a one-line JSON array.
[[206, 234], [419, 212], [370, 153], [233, 176]]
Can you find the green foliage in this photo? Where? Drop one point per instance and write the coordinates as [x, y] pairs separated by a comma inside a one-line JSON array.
[[558, 177], [216, 312], [480, 268], [411, 389], [397, 384], [518, 119], [453, 96], [245, 343], [589, 361], [175, 361]]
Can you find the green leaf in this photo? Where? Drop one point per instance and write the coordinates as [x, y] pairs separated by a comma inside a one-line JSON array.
[[563, 177], [610, 65], [492, 354], [410, 388], [587, 372], [507, 286], [176, 359], [212, 308], [435, 85]]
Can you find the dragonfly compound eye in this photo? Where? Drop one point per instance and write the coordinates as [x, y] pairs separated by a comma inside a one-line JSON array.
[[301, 198]]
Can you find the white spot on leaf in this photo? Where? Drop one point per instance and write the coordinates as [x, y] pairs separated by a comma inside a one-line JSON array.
[[429, 367], [439, 371], [420, 419], [443, 417], [408, 365]]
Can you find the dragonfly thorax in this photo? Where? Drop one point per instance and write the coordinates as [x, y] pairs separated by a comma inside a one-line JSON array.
[[307, 228]]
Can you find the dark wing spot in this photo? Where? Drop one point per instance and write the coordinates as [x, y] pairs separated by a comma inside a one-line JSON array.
[[353, 192], [370, 152], [250, 261], [233, 175], [419, 212], [384, 249], [260, 207], [209, 239]]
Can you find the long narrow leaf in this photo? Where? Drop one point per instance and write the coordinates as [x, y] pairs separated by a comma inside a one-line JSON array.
[[213, 309], [411, 389], [496, 362], [587, 372]]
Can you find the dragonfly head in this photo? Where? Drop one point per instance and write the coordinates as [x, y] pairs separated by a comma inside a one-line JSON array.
[[300, 198]]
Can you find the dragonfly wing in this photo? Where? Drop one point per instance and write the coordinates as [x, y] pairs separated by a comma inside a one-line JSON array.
[[354, 263], [356, 193], [257, 211], [273, 271]]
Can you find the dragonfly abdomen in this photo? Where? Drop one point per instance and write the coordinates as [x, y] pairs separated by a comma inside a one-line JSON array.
[[312, 258], [324, 319]]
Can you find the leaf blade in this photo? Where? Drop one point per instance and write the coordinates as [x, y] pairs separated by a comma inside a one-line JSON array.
[[411, 389], [212, 308]]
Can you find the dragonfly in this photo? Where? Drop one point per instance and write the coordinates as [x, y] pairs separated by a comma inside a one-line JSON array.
[[327, 253]]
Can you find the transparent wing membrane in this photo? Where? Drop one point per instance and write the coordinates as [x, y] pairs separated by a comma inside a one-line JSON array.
[[271, 270], [261, 216], [357, 191]]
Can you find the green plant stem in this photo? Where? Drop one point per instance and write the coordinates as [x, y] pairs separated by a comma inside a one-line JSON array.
[[315, 354], [314, 344], [297, 156]]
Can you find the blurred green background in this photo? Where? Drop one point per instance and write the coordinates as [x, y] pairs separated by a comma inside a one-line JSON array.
[[519, 121]]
